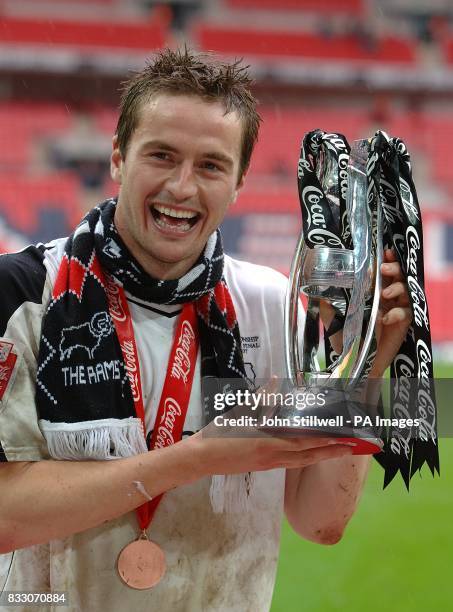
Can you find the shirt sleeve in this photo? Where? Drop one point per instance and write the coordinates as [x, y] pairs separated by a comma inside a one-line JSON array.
[[25, 291]]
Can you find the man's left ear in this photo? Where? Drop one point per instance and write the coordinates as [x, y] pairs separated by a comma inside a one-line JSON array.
[[239, 186], [116, 162]]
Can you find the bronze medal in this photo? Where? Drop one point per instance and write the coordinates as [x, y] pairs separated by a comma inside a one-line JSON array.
[[141, 564]]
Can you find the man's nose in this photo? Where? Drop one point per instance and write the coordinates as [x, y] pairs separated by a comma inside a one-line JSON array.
[[182, 182]]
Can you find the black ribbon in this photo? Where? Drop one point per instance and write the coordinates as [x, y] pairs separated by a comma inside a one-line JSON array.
[[324, 215], [411, 371]]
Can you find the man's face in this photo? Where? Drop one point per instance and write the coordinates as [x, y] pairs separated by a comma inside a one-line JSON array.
[[178, 178]]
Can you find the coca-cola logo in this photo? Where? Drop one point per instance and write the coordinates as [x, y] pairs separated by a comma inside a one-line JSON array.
[[334, 142], [321, 237], [424, 359], [425, 401], [130, 362], [116, 309], [427, 416], [181, 363], [345, 225], [399, 444], [302, 166], [172, 410], [371, 164], [399, 243], [402, 390], [419, 305], [390, 204], [407, 199], [343, 160], [404, 368], [314, 143], [4, 372], [413, 244], [311, 198], [5, 350]]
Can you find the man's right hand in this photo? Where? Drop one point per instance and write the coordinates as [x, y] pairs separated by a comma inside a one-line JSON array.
[[234, 454], [93, 492]]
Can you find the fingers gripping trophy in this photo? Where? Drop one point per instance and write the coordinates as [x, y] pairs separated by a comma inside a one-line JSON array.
[[356, 201]]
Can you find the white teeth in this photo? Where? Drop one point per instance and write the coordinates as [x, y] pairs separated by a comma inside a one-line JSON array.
[[180, 228], [179, 214]]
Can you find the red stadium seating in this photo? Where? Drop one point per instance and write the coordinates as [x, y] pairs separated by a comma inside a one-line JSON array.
[[22, 199], [15, 149], [267, 200], [96, 34], [21, 125], [439, 292], [277, 43], [448, 50], [325, 6], [105, 119], [94, 3], [437, 138], [35, 118], [32, 206], [281, 134]]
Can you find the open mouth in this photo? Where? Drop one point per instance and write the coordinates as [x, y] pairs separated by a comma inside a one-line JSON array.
[[174, 219]]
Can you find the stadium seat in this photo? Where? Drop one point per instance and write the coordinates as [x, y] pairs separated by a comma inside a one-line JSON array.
[[84, 34], [281, 43], [325, 6], [40, 206]]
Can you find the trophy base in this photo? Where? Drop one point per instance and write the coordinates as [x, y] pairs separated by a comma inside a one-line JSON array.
[[285, 422], [363, 446]]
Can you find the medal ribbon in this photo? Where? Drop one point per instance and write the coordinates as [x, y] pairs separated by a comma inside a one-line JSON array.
[[175, 396]]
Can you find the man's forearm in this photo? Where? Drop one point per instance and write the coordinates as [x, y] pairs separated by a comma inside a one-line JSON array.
[[53, 499], [48, 500], [321, 498]]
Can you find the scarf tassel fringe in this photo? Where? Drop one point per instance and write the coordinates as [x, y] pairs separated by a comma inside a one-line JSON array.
[[101, 440], [232, 493]]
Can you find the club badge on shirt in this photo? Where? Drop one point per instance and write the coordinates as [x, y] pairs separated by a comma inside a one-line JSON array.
[[7, 362]]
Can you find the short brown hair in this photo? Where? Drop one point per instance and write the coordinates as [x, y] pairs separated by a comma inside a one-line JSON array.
[[185, 72]]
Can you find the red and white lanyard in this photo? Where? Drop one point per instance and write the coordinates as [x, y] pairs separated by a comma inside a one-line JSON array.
[[175, 396]]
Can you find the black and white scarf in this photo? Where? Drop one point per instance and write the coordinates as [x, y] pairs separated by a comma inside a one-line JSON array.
[[83, 395]]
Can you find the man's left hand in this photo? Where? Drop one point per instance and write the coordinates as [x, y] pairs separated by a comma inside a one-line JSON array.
[[394, 316]]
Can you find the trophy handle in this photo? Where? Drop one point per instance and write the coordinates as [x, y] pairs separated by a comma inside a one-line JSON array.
[[364, 351], [292, 357]]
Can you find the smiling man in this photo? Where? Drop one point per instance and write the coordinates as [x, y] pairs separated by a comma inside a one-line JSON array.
[[106, 336], [178, 174]]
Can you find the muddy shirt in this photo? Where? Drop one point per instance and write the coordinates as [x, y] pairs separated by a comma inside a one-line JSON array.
[[215, 562]]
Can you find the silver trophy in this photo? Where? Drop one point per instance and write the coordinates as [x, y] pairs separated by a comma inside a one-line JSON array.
[[355, 200], [346, 278]]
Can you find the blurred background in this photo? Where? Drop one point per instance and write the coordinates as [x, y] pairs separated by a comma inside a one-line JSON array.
[[350, 66]]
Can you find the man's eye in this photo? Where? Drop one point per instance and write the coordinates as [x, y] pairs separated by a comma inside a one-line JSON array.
[[211, 166], [160, 155]]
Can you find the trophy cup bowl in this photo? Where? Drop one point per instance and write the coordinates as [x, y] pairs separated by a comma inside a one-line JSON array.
[[324, 273]]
